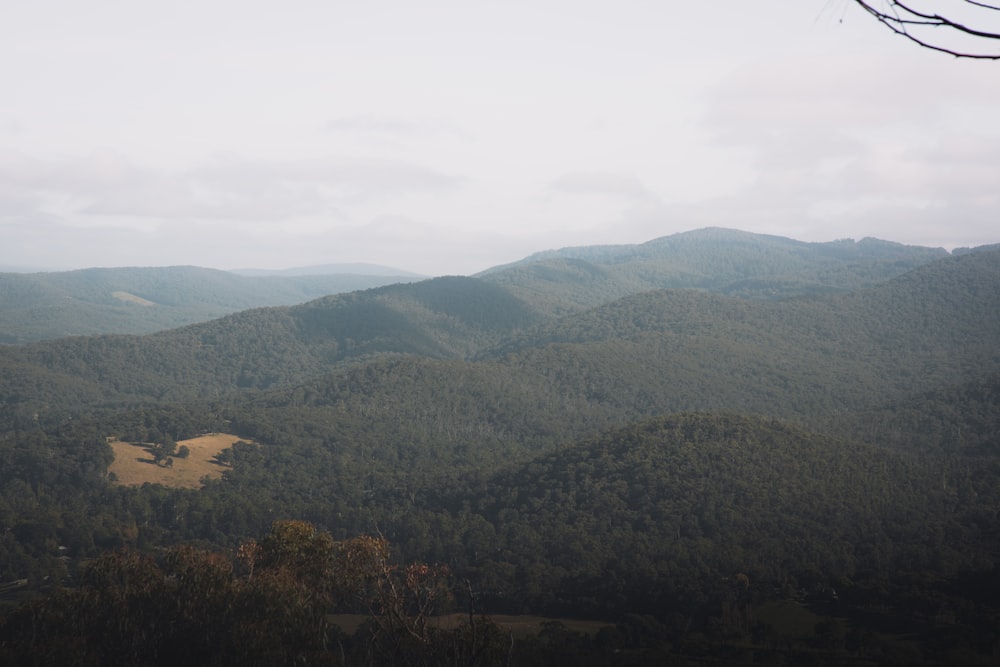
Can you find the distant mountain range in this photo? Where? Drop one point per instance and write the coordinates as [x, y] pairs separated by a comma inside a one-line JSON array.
[[41, 306], [726, 261], [353, 269], [854, 314]]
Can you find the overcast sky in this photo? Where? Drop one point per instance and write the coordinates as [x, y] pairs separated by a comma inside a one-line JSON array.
[[447, 137]]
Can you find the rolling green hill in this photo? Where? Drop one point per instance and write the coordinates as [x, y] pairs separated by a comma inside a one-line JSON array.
[[665, 457], [719, 260], [715, 494], [42, 306], [644, 354], [261, 348], [652, 354]]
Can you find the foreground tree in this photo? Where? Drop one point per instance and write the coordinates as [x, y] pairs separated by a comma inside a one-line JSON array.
[[270, 605], [962, 31]]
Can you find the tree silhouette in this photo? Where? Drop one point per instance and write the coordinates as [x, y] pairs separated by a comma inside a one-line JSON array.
[[267, 604], [962, 32]]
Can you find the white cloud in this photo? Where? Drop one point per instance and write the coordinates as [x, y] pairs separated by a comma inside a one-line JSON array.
[[846, 146], [393, 132], [391, 127], [107, 184], [613, 184]]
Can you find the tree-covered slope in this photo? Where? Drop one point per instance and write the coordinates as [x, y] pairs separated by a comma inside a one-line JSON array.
[[641, 355], [645, 456], [939, 323], [43, 306], [656, 515], [708, 496], [440, 318], [960, 420], [720, 260], [657, 353]]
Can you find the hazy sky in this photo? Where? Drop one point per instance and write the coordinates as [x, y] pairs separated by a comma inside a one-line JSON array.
[[446, 137]]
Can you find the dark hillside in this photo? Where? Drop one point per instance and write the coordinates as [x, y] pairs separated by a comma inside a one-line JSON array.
[[654, 516], [960, 420], [648, 355], [811, 480], [713, 494], [643, 355], [938, 324], [442, 318], [949, 301]]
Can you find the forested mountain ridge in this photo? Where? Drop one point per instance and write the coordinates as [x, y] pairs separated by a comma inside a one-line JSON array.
[[641, 460], [447, 317], [720, 260], [932, 325], [960, 290], [652, 354], [44, 306], [939, 323]]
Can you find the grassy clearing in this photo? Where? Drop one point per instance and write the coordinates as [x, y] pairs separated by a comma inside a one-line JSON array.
[[134, 464], [132, 298]]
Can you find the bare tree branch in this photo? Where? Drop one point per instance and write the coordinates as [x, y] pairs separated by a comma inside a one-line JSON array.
[[903, 19], [983, 4]]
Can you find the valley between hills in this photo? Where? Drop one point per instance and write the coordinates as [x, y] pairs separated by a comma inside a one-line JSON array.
[[721, 447]]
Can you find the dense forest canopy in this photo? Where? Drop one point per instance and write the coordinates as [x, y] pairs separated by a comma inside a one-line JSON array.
[[695, 440]]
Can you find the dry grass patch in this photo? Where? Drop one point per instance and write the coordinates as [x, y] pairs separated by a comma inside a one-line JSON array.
[[132, 298], [134, 464]]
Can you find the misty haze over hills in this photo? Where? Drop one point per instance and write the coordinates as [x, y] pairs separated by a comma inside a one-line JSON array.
[[356, 269], [143, 300]]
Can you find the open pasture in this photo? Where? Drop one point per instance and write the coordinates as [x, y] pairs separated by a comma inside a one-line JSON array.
[[134, 464]]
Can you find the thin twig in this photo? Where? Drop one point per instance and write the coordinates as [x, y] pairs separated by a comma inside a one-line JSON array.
[[899, 17]]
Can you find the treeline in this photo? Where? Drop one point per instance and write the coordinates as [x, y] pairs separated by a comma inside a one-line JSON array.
[[267, 603]]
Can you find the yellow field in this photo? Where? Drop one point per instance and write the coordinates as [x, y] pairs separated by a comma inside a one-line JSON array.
[[134, 465]]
